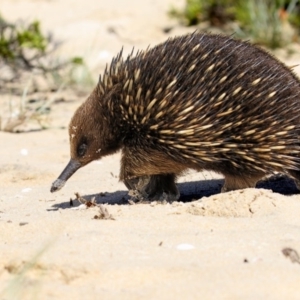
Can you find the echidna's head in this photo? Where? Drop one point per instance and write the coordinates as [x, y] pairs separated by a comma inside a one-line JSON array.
[[91, 137], [85, 136]]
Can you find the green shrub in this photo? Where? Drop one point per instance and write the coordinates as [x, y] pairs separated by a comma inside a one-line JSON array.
[[24, 48], [28, 61], [217, 12], [260, 19]]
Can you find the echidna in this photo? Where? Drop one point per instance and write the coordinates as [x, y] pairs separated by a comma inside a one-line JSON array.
[[199, 101]]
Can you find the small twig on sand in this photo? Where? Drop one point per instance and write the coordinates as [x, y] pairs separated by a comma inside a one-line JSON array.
[[291, 254], [86, 202], [103, 212]]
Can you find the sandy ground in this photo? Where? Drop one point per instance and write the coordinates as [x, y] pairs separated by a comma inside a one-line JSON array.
[[224, 246]]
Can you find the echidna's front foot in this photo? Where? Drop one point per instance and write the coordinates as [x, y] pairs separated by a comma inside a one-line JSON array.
[[154, 187], [161, 188], [136, 183], [135, 186]]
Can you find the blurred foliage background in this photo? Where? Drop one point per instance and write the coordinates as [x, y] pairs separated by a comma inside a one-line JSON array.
[[26, 51], [31, 70], [271, 23], [33, 75]]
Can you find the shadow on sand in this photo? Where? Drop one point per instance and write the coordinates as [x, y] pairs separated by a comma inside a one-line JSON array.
[[192, 190]]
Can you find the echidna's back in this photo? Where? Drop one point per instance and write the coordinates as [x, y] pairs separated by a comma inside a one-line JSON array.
[[212, 95], [213, 65]]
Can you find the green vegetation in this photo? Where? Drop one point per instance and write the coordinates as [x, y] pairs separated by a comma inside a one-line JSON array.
[[197, 11], [24, 48], [264, 21], [29, 64]]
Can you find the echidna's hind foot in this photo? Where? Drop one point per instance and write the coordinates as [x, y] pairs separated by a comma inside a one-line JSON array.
[[296, 176], [297, 183], [240, 181], [154, 187]]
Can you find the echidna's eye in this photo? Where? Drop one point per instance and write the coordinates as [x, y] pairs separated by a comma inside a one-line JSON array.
[[81, 150]]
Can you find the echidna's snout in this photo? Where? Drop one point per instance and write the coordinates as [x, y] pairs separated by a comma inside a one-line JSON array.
[[69, 170]]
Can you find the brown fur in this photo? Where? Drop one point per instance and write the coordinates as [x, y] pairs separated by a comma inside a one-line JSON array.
[[197, 101]]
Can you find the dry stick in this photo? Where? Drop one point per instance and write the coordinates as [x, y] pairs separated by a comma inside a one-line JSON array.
[[291, 254], [84, 201], [103, 212], [22, 117]]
